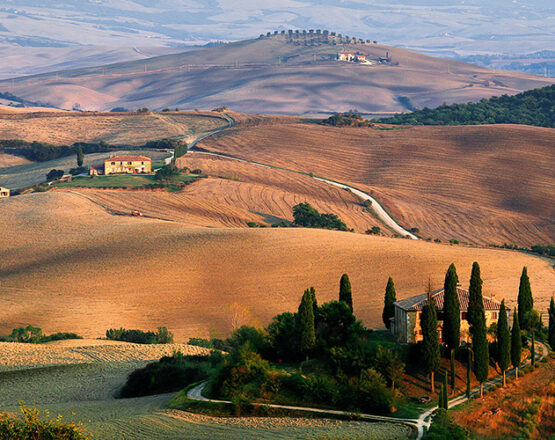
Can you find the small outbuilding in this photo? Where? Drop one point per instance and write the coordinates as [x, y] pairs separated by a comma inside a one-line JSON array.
[[4, 192]]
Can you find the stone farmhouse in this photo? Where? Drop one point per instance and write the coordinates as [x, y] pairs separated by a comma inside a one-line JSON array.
[[128, 165], [4, 192], [405, 324]]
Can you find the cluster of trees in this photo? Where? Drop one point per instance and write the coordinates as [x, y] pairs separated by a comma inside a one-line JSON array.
[[42, 151], [507, 348], [161, 336], [338, 366], [167, 174], [534, 107], [316, 36], [34, 335], [309, 217], [349, 119]]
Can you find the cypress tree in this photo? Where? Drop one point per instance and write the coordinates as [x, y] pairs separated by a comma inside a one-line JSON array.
[[452, 364], [478, 327], [430, 339], [475, 301], [307, 333], [451, 310], [80, 156], [445, 393], [345, 293], [525, 300], [468, 368], [389, 300], [503, 341], [534, 320], [516, 343], [551, 333]]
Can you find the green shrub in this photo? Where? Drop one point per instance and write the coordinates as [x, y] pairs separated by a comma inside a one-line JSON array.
[[171, 373], [34, 427], [161, 336], [443, 428], [307, 216], [33, 335]]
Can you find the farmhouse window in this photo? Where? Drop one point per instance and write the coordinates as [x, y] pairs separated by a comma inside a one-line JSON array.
[[464, 314], [142, 163], [113, 163], [129, 163], [493, 315]]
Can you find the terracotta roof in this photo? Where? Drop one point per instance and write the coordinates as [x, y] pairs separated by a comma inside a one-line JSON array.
[[127, 158], [417, 302]]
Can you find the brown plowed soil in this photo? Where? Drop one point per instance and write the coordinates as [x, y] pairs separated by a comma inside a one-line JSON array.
[[479, 184]]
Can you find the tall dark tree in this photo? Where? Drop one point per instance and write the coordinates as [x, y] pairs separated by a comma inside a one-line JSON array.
[[80, 156], [345, 293], [468, 369], [430, 339], [445, 392], [452, 365], [307, 335], [551, 333], [525, 300], [475, 310], [389, 300], [451, 310], [503, 341], [516, 343], [478, 328], [534, 320]]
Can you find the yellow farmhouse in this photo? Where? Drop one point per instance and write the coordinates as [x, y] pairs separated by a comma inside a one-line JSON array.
[[405, 324], [127, 165], [4, 192]]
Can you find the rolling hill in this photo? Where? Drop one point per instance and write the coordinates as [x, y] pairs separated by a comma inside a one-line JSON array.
[[479, 184], [74, 267], [275, 75]]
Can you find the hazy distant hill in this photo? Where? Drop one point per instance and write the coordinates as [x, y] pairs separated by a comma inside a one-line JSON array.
[[281, 74], [469, 26]]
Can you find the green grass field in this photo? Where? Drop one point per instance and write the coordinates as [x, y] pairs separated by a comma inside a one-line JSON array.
[[121, 181]]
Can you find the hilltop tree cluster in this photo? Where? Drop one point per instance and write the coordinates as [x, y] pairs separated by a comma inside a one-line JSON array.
[[534, 107], [315, 37]]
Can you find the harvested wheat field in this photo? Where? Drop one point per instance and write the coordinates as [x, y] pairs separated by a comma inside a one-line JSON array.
[[74, 267], [18, 356], [113, 128], [237, 193], [478, 184]]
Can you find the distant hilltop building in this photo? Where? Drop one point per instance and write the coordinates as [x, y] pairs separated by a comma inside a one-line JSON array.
[[127, 165], [4, 192], [353, 57], [405, 324]]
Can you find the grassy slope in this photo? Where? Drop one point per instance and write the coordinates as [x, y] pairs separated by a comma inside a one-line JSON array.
[[73, 267], [483, 184], [524, 409], [274, 77]]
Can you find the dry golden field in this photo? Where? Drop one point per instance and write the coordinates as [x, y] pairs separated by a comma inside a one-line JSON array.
[[113, 128], [480, 184], [74, 267]]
